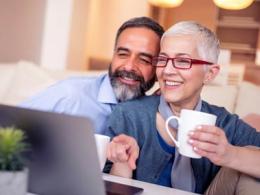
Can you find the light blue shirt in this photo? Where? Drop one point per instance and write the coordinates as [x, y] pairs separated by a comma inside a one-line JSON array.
[[90, 97]]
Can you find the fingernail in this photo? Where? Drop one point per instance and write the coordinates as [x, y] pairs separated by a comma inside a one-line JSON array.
[[199, 127], [191, 141], [191, 132], [195, 148]]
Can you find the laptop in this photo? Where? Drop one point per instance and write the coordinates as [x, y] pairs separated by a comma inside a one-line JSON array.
[[62, 158]]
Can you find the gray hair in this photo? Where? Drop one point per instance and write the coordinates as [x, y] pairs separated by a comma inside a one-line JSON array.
[[207, 42], [141, 22]]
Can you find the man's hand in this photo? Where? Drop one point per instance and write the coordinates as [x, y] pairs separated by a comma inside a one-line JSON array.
[[211, 142], [123, 149]]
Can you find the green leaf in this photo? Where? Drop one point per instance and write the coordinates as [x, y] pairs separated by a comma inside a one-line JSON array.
[[12, 145]]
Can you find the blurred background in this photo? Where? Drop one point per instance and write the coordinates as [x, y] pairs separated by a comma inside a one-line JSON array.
[[44, 41], [75, 34], [63, 33]]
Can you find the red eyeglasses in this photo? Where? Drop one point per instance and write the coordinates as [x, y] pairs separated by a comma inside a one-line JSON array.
[[179, 62]]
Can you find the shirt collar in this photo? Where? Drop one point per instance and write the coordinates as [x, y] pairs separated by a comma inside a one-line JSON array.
[[199, 105], [106, 93]]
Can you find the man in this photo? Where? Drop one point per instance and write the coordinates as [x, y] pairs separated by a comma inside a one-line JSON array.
[[142, 149], [130, 75]]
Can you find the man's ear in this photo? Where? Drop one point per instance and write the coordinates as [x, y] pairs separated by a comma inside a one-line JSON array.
[[211, 73]]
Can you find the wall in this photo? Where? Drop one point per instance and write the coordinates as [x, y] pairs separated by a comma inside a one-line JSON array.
[[56, 33], [59, 34], [203, 11], [21, 29], [93, 28], [106, 19], [51, 33], [80, 25]]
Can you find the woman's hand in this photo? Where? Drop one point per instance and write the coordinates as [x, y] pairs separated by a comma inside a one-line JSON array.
[[211, 142], [123, 149]]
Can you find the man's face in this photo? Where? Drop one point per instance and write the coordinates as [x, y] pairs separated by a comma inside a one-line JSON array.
[[131, 73], [181, 87]]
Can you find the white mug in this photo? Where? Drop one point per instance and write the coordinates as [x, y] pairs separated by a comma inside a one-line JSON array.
[[187, 121], [102, 143]]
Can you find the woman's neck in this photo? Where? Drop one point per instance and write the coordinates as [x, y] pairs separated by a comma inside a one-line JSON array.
[[177, 107]]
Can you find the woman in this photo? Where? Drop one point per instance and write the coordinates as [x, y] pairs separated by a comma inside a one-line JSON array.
[[141, 148]]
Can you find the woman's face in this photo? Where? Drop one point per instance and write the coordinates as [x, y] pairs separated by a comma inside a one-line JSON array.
[[178, 86]]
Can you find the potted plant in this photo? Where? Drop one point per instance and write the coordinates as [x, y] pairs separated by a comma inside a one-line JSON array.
[[13, 173]]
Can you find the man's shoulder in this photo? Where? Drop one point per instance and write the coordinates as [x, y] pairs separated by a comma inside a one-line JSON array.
[[77, 85], [81, 81], [70, 91]]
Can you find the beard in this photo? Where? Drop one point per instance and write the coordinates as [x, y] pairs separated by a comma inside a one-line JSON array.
[[124, 92]]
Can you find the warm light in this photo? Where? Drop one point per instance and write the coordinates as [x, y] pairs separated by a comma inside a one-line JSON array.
[[233, 4], [166, 3]]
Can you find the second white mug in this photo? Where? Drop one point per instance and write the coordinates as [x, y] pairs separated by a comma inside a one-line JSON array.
[[102, 143]]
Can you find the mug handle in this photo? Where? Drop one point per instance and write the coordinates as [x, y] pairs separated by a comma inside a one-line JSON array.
[[168, 131]]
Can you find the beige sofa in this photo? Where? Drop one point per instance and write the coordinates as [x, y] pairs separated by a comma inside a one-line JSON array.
[[23, 79]]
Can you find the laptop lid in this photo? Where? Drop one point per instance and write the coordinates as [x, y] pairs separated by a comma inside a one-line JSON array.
[[62, 159]]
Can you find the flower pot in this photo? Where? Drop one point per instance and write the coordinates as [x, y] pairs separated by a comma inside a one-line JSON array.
[[13, 182]]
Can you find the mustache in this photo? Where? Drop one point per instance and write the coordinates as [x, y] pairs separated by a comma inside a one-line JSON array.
[[128, 74]]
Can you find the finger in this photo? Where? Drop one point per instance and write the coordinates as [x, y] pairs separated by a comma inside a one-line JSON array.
[[122, 155], [208, 129], [205, 146], [111, 152], [131, 161], [134, 153], [113, 149], [122, 138], [204, 137], [203, 152], [207, 133], [126, 140]]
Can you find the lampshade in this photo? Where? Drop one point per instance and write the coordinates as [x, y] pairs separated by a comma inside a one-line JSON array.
[[233, 4], [166, 3]]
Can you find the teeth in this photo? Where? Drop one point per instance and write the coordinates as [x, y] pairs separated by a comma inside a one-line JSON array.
[[127, 78], [172, 83]]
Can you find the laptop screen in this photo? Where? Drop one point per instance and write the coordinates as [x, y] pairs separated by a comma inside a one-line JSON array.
[[62, 158]]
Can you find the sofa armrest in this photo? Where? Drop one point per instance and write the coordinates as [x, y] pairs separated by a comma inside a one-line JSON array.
[[253, 120]]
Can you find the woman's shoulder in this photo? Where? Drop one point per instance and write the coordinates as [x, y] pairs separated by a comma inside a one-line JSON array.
[[141, 103], [216, 110], [226, 120]]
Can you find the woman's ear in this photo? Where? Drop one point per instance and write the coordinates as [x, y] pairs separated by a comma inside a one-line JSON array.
[[211, 73]]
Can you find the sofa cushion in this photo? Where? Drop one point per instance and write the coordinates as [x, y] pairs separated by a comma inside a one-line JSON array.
[[253, 120], [224, 96], [248, 99], [27, 80], [7, 72]]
